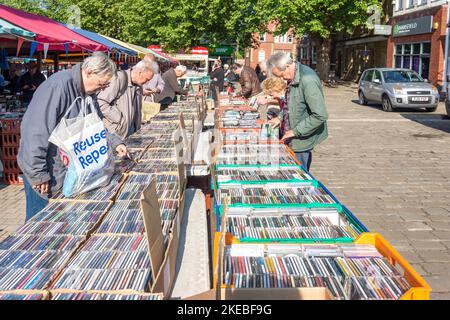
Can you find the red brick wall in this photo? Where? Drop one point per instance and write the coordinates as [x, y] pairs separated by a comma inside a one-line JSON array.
[[437, 39], [269, 46]]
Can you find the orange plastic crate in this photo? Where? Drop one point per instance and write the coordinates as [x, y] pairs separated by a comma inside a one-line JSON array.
[[9, 153], [420, 290], [10, 125]]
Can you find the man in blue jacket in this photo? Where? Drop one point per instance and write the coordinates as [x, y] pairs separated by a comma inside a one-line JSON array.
[[40, 161]]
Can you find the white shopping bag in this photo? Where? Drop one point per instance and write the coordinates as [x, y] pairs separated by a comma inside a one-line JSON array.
[[84, 145]]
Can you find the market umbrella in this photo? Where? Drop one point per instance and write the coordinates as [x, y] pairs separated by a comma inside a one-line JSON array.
[[112, 46], [9, 30]]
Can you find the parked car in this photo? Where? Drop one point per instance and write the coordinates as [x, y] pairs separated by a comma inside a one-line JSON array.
[[397, 88]]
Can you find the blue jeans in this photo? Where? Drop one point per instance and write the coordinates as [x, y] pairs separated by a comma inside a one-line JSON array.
[[35, 202], [305, 158]]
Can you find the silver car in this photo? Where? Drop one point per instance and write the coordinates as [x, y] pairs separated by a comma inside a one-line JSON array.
[[397, 88]]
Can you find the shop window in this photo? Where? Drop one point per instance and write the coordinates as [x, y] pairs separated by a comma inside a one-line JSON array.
[[415, 56], [406, 49], [398, 61], [426, 48]]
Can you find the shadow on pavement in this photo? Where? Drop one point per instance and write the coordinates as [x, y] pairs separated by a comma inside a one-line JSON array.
[[370, 105], [2, 186], [431, 120]]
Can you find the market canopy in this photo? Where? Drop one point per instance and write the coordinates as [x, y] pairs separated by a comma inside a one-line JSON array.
[[48, 31], [141, 51], [112, 46], [8, 30]]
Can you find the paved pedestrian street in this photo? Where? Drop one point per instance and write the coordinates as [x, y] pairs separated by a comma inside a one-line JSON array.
[[392, 170]]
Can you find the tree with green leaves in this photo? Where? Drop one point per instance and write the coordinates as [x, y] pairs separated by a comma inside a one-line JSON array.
[[176, 24], [319, 19]]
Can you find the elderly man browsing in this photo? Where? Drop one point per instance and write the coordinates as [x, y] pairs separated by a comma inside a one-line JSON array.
[[40, 161], [121, 102], [155, 85], [304, 118], [248, 79], [171, 87]]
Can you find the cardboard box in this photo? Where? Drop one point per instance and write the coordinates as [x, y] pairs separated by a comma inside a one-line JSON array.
[[265, 294]]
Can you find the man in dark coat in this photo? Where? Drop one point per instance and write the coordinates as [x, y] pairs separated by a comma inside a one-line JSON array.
[[40, 161], [248, 80], [217, 79], [30, 81]]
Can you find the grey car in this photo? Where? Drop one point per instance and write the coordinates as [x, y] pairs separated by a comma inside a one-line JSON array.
[[397, 88]]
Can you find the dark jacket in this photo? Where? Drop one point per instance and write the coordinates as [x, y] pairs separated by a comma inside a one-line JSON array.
[[39, 159], [171, 86], [217, 78], [307, 111], [249, 82], [30, 80]]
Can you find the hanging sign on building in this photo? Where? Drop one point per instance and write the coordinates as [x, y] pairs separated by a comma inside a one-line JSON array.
[[413, 27], [382, 30]]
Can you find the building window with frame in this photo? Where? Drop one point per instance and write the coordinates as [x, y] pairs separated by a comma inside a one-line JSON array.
[[410, 4], [290, 38], [262, 37], [399, 5], [414, 56]]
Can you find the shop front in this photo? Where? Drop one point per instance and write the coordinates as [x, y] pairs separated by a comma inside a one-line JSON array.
[[418, 43]]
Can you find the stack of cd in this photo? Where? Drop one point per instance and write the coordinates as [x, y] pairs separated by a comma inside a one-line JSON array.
[[293, 227], [108, 263], [279, 173], [105, 193], [272, 194], [105, 296], [249, 266], [156, 166], [12, 296], [259, 159], [64, 218], [29, 262]]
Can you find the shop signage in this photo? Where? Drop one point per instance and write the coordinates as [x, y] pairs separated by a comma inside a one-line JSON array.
[[382, 30], [413, 27], [225, 51]]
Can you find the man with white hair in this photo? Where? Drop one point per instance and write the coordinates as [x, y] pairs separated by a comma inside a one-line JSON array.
[[303, 118], [171, 87], [121, 102], [155, 85], [40, 161]]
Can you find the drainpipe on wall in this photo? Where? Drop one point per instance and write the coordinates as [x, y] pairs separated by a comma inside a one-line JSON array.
[[444, 89]]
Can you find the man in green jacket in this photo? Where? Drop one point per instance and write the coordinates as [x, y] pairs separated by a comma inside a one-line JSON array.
[[303, 118]]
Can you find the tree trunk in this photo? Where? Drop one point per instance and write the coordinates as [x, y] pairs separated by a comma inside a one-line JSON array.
[[323, 47]]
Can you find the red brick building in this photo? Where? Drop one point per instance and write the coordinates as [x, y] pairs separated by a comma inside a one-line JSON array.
[[268, 44], [418, 38]]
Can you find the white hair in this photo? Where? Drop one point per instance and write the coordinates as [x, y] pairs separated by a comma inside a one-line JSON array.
[[146, 66], [279, 60], [181, 68], [100, 65], [226, 66]]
